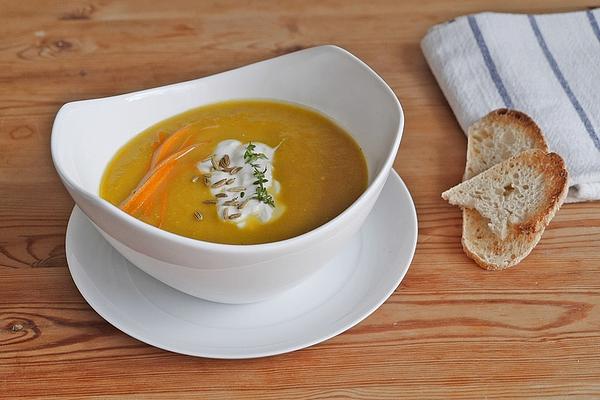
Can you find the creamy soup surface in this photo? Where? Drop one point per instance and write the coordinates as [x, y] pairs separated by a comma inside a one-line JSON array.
[[238, 172]]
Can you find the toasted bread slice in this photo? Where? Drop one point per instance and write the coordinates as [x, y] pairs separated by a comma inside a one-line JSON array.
[[496, 137], [522, 193], [489, 251]]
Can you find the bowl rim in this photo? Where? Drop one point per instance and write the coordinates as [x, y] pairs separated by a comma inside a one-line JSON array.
[[206, 245]]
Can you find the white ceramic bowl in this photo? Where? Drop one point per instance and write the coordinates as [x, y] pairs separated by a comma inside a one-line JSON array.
[[86, 135]]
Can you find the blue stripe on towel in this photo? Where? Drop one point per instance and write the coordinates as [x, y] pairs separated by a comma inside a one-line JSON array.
[[489, 63], [563, 82], [594, 23]]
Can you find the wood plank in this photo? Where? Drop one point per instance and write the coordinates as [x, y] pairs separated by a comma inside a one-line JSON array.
[[451, 330]]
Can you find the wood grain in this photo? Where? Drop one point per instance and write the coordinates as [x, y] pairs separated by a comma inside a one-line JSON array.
[[450, 330]]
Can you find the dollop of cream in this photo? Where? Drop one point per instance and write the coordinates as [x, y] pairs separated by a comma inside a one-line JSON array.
[[232, 184]]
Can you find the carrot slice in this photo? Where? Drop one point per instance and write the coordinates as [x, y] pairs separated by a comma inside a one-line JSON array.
[[152, 181], [162, 136], [154, 209], [146, 210], [169, 145], [186, 142], [173, 157], [177, 155], [168, 151], [175, 142], [145, 191]]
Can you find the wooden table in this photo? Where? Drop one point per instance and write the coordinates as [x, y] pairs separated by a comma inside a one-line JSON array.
[[450, 329]]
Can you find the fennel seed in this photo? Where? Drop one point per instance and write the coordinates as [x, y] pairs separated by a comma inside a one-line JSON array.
[[219, 183], [243, 203], [213, 161], [224, 162]]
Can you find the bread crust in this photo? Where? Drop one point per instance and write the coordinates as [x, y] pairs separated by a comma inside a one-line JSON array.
[[547, 184], [528, 125], [493, 267], [500, 246], [519, 121], [505, 116], [552, 166]]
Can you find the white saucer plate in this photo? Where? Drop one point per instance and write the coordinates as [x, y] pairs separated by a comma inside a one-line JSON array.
[[332, 300]]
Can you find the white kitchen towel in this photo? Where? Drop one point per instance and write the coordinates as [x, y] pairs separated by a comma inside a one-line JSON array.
[[547, 66]]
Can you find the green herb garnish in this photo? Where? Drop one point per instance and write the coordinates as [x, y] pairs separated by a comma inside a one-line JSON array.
[[261, 192], [251, 157]]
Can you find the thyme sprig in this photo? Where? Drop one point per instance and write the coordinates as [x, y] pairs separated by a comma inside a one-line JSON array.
[[261, 192], [250, 156]]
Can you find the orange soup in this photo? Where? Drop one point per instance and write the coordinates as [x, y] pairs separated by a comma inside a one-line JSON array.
[[238, 172]]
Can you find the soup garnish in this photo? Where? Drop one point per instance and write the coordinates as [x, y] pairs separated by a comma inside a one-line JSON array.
[[241, 181]]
